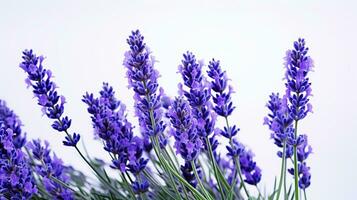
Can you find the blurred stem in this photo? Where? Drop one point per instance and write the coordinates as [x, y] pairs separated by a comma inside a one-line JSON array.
[[131, 192], [305, 194], [199, 180], [214, 165], [283, 161], [296, 170]]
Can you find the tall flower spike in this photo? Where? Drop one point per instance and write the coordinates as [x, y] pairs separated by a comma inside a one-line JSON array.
[[198, 95], [298, 88], [187, 141], [50, 167], [112, 127], [16, 180], [8, 119], [280, 123], [142, 77], [224, 107], [44, 89]]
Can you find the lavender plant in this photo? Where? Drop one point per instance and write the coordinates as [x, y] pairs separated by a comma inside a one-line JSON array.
[[192, 158]]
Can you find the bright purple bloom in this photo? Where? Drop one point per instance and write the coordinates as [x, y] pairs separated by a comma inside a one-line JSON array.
[[249, 168], [298, 87], [142, 77], [112, 127], [44, 89], [303, 152], [298, 90], [198, 94], [224, 107], [16, 180], [187, 140], [280, 124], [222, 100], [8, 119], [49, 167]]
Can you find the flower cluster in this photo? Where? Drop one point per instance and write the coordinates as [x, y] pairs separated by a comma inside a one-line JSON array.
[[44, 89], [142, 77], [51, 170], [280, 123], [198, 94], [198, 170], [112, 127], [16, 180], [224, 107], [187, 141], [8, 119], [298, 89]]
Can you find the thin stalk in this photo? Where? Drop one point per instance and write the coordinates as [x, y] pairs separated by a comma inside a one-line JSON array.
[[86, 160], [285, 194], [305, 194], [214, 164], [237, 163], [199, 180], [282, 171], [164, 164], [296, 173], [260, 194], [131, 192]]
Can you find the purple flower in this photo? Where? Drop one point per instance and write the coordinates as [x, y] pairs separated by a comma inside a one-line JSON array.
[[223, 104], [187, 140], [112, 127], [224, 107], [8, 119], [197, 93], [142, 77], [280, 124], [44, 89], [249, 168], [16, 180], [303, 152], [298, 87], [298, 90], [49, 167]]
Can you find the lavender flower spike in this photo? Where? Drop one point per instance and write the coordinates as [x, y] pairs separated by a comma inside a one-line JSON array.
[[187, 141], [8, 119], [223, 106], [142, 77], [198, 94], [112, 127], [44, 89], [298, 90], [16, 180], [50, 167], [298, 87]]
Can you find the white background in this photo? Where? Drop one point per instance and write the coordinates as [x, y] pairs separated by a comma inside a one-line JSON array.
[[84, 43]]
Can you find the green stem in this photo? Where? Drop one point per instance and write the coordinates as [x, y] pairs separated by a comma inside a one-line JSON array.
[[305, 194], [214, 164], [296, 170], [199, 180], [236, 160], [282, 171], [131, 192], [285, 194], [163, 163]]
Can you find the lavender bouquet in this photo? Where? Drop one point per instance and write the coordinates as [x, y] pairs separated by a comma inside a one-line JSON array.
[[179, 152]]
